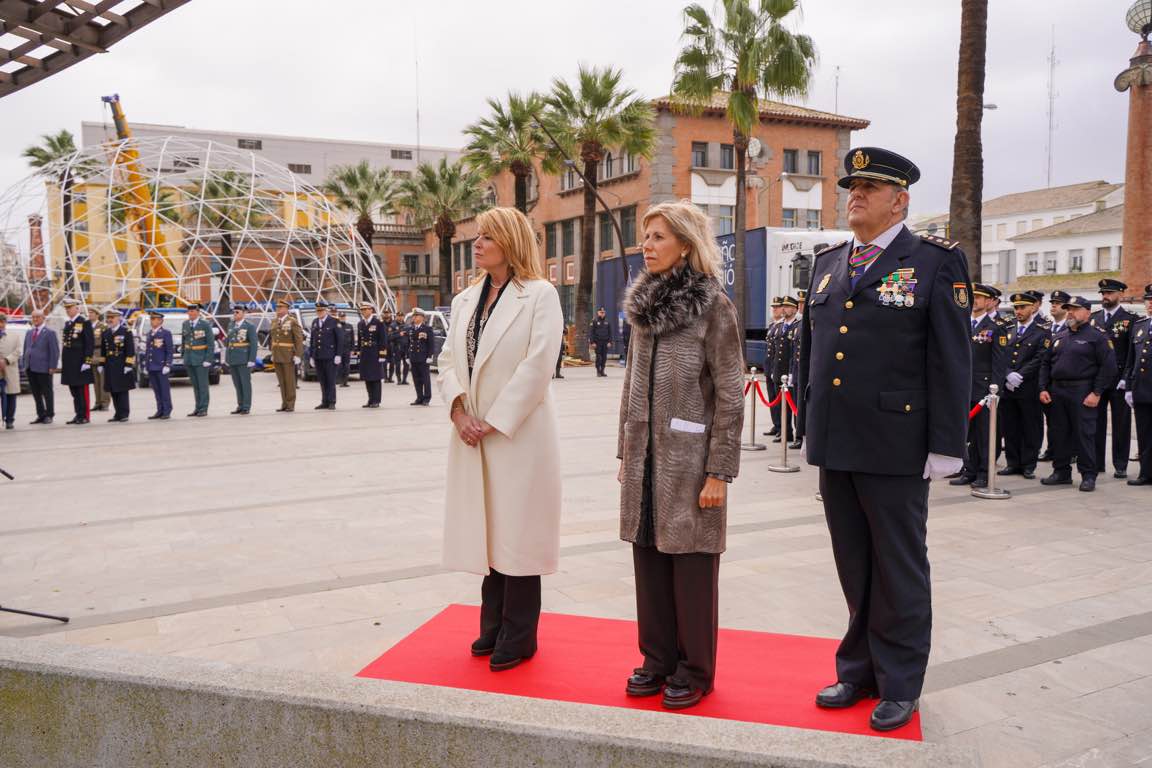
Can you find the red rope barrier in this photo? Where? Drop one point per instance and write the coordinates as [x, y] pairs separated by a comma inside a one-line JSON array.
[[791, 405], [975, 410], [747, 387], [764, 400]]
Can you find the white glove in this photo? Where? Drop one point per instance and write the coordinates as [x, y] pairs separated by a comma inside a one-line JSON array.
[[1014, 380], [939, 466], [296, 360], [127, 369], [99, 369], [1128, 398], [1122, 385], [337, 360], [85, 367], [251, 365], [165, 370], [207, 364]]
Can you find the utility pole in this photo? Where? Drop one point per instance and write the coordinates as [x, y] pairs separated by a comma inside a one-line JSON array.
[[1051, 105]]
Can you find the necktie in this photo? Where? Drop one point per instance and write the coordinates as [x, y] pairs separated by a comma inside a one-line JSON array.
[[974, 324], [862, 258], [36, 334], [1019, 330]]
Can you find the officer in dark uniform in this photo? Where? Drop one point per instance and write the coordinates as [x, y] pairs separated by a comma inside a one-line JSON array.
[[1138, 387], [100, 395], [158, 363], [76, 359], [403, 329], [600, 334], [989, 358], [371, 339], [419, 351], [325, 343], [1079, 368], [347, 342], [388, 333], [119, 350], [1116, 322], [787, 343], [1021, 417], [772, 343], [1059, 319], [885, 376]]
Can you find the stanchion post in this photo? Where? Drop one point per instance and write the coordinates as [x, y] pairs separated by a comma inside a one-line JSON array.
[[752, 445], [992, 492], [785, 417]]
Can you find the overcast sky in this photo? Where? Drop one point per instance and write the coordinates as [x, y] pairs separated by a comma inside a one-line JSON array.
[[346, 69]]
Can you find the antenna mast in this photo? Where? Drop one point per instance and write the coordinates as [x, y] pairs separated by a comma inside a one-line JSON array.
[[1051, 104]]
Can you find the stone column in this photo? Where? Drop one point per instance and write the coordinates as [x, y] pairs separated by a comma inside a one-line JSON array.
[[1137, 259]]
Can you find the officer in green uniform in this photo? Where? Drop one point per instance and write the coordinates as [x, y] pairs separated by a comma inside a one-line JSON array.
[[198, 343], [241, 358]]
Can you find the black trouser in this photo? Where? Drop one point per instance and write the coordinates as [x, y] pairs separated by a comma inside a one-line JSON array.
[[7, 403], [601, 355], [677, 616], [326, 375], [120, 404], [1021, 421], [1073, 426], [79, 399], [878, 525], [344, 369], [422, 380], [401, 369], [1113, 399], [373, 388], [773, 388], [40, 384], [510, 613], [1144, 437], [976, 459], [390, 364]]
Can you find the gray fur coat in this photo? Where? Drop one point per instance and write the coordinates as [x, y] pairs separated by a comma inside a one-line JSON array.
[[695, 381]]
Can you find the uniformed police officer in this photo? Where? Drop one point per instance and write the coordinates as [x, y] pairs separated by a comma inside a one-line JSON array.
[[787, 342], [100, 395], [1138, 387], [772, 342], [241, 346], [403, 330], [988, 342], [119, 351], [420, 351], [1116, 322], [158, 349], [371, 338], [348, 333], [388, 332], [885, 372], [198, 345], [287, 349], [1079, 368], [1021, 415], [76, 359], [1059, 319], [600, 334], [326, 343]]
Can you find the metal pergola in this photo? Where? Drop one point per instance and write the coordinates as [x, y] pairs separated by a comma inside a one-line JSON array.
[[41, 37]]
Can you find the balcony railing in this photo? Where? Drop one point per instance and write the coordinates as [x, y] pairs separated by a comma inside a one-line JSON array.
[[412, 280], [398, 231]]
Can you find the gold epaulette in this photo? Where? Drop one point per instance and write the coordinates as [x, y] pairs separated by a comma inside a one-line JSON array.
[[831, 248]]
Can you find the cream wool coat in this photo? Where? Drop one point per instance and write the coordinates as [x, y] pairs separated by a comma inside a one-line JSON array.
[[503, 496], [11, 349]]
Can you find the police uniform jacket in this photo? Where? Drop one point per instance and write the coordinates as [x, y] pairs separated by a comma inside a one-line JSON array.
[[1117, 330], [347, 339], [989, 356], [325, 340], [287, 339], [420, 343], [119, 353], [76, 350], [241, 344], [158, 350], [372, 340], [772, 340], [1138, 378], [601, 331], [197, 342], [1083, 356], [1026, 352], [98, 329], [787, 340], [885, 384]]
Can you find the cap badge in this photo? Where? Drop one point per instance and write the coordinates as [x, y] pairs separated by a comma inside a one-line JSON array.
[[860, 160]]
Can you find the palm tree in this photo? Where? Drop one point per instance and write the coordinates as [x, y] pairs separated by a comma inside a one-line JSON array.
[[438, 196], [508, 140], [968, 153], [57, 147], [747, 55], [364, 191], [596, 116]]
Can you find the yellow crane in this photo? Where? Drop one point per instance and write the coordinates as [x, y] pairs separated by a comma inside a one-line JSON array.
[[160, 278]]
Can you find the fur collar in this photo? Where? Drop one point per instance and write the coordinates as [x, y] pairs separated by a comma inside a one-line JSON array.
[[666, 302]]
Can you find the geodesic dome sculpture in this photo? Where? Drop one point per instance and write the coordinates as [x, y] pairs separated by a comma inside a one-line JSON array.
[[171, 221]]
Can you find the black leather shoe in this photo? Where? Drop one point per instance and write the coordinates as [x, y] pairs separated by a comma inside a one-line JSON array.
[[842, 695], [484, 646], [1139, 481], [501, 661], [37, 421], [201, 414], [890, 715], [1088, 484], [321, 407], [680, 694], [416, 402], [796, 445], [153, 417], [194, 414], [237, 411], [165, 417], [962, 480], [9, 425], [1055, 479], [1010, 471], [281, 410], [644, 683], [366, 405], [980, 482], [1120, 474], [1028, 474], [374, 405], [777, 439], [772, 432], [81, 421]]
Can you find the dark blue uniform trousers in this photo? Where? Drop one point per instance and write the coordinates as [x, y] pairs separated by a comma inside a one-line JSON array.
[[162, 389], [1113, 400], [878, 525], [326, 375], [1073, 428], [422, 380]]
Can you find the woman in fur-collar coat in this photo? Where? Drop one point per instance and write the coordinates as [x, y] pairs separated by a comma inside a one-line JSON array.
[[679, 447]]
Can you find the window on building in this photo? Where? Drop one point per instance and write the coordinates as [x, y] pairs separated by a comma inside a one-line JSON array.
[[726, 220], [1104, 259], [550, 240], [727, 156], [791, 161], [606, 239], [467, 254], [699, 154], [1119, 256], [609, 165], [1037, 223], [631, 162], [1021, 227], [813, 220], [412, 261], [300, 167], [249, 143], [814, 163], [568, 237], [1057, 219], [568, 179], [1076, 260], [490, 197], [553, 270], [1001, 231], [457, 259], [987, 229], [570, 271], [401, 154], [1031, 263], [459, 283], [788, 218], [1049, 262], [628, 226]]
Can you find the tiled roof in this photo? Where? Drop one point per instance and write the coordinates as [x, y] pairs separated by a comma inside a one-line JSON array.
[[1106, 220], [1051, 198], [775, 110]]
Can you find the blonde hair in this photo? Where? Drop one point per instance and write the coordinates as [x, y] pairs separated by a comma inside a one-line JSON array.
[[692, 227], [510, 229]]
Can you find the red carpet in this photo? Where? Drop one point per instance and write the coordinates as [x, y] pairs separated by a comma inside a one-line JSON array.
[[761, 677]]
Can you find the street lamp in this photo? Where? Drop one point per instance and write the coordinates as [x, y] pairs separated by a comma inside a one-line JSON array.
[[1139, 18]]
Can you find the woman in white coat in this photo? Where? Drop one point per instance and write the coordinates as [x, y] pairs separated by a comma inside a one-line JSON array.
[[503, 488], [10, 351]]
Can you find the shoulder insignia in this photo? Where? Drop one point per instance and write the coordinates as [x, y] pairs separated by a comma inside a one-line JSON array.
[[822, 251], [960, 294], [940, 242], [1047, 343]]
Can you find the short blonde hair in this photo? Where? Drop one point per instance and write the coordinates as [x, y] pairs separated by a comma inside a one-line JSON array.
[[692, 227], [512, 231]]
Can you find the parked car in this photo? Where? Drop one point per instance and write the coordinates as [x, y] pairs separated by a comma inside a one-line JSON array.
[[174, 322]]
